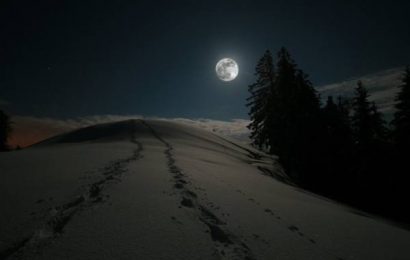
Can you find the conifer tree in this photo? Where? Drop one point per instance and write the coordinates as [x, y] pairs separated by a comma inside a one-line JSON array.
[[336, 120], [284, 112], [379, 124], [345, 131], [5, 129], [260, 100], [344, 108], [330, 114], [361, 119], [401, 121], [367, 121], [337, 146]]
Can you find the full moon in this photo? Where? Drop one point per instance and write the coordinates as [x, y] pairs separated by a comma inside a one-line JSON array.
[[227, 69]]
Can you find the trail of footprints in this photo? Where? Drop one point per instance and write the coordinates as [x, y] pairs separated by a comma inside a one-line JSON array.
[[59, 216], [292, 228], [228, 245]]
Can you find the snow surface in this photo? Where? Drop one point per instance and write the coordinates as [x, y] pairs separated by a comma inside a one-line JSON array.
[[151, 189]]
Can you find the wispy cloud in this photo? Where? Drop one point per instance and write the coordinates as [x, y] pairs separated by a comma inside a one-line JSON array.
[[29, 130], [382, 86]]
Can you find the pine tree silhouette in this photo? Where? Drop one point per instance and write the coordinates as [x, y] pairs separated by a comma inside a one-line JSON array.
[[336, 119], [284, 109], [261, 100], [338, 145], [371, 153], [330, 115], [297, 131], [367, 122], [282, 112], [401, 121], [401, 142], [5, 129], [344, 130], [379, 124], [340, 150], [362, 119], [344, 108]]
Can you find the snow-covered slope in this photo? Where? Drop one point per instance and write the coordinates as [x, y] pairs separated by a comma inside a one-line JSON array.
[[145, 189]]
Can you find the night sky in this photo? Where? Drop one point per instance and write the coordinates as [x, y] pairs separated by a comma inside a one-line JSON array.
[[157, 58]]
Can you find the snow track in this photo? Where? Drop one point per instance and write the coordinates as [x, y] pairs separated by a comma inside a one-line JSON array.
[[227, 244], [60, 216]]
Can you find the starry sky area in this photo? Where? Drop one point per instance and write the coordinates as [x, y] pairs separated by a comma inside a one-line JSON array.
[[67, 59]]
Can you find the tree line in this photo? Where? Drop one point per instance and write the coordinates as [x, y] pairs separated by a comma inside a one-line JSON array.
[[342, 149], [5, 130]]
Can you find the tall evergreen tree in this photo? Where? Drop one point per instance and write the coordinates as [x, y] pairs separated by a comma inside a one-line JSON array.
[[5, 129], [344, 108], [295, 104], [344, 128], [260, 101], [371, 152], [330, 114], [284, 110], [401, 121], [401, 138], [362, 119], [338, 146], [378, 123], [367, 122], [336, 120]]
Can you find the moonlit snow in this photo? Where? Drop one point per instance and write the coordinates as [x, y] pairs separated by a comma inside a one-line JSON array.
[[146, 189]]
